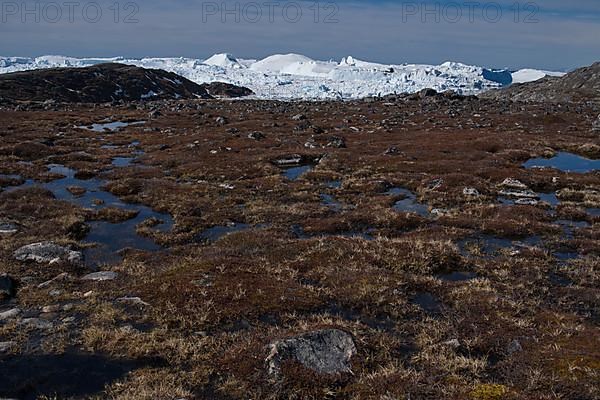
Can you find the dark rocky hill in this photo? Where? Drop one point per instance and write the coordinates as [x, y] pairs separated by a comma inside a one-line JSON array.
[[227, 90], [100, 84], [581, 85]]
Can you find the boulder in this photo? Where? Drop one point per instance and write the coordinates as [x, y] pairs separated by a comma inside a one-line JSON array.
[[48, 253], [326, 351], [100, 276]]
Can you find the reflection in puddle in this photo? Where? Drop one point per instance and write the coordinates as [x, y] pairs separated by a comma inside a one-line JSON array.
[[122, 161], [329, 201], [334, 184], [110, 126], [488, 245], [217, 232], [559, 280], [409, 203], [567, 162], [594, 212], [294, 173], [109, 237], [428, 302]]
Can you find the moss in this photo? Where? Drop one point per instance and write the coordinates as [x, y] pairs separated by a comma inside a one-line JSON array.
[[488, 391]]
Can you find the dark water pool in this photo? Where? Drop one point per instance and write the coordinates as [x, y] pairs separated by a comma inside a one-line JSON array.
[[110, 126], [109, 237], [294, 173], [409, 203], [567, 162]]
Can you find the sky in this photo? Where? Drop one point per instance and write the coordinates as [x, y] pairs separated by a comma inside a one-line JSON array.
[[545, 34]]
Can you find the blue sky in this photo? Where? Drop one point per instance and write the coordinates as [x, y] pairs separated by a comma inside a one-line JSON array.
[[559, 35]]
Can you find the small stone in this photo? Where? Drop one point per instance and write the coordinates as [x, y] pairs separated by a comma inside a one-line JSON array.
[[100, 276], [256, 135], [48, 253], [55, 292], [514, 347], [68, 320], [471, 192], [51, 309], [88, 294], [513, 184], [9, 314], [60, 277], [132, 300], [221, 121], [36, 323], [299, 117], [327, 351], [392, 151], [526, 202], [453, 343], [526, 193], [68, 307], [337, 142]]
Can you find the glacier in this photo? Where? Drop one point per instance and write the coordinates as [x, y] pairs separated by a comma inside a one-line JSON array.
[[297, 77]]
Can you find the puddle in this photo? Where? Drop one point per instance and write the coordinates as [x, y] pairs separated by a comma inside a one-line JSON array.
[[428, 302], [217, 232], [329, 201], [109, 237], [457, 276], [59, 375], [594, 212], [110, 126], [122, 161], [294, 173], [334, 184], [409, 203], [550, 198], [569, 227], [559, 280], [490, 245], [567, 162]]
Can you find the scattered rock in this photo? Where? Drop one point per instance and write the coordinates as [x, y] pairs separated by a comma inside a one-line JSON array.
[[526, 202], [513, 184], [256, 135], [76, 190], [36, 323], [7, 287], [100, 276], [8, 228], [392, 151], [51, 308], [514, 347], [9, 314], [337, 142], [453, 343], [132, 300], [326, 351], [471, 192], [221, 121], [48, 253], [60, 277], [299, 117]]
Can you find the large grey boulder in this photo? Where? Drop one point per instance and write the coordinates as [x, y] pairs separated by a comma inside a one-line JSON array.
[[48, 253], [326, 351], [100, 276]]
